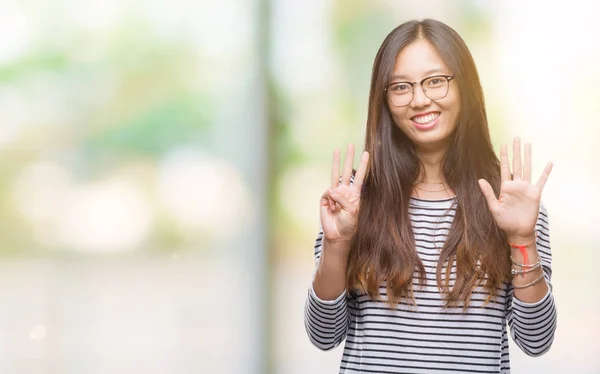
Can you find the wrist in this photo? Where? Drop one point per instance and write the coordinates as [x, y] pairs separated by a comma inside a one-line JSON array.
[[517, 241], [336, 250], [337, 241]]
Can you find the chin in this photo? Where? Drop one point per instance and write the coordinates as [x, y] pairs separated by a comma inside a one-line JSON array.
[[432, 141]]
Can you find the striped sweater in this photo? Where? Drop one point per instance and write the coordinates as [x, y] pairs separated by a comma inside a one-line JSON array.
[[427, 337]]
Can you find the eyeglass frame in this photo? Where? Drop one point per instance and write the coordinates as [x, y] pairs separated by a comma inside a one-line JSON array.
[[448, 78]]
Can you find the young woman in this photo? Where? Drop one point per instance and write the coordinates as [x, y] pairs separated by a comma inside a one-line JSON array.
[[435, 244]]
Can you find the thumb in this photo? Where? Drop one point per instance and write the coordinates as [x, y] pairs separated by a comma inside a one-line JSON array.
[[488, 193], [327, 202], [341, 199]]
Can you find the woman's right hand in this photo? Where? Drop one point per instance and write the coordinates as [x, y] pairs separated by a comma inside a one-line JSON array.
[[341, 202]]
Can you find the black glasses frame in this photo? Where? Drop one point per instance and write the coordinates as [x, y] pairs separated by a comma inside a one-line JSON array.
[[413, 84]]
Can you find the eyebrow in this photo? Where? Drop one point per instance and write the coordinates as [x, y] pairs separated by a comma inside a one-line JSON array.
[[427, 74]]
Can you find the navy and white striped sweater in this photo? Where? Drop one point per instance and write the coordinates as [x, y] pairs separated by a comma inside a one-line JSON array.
[[429, 338]]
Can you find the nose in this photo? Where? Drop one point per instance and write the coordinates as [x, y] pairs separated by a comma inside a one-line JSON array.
[[419, 98]]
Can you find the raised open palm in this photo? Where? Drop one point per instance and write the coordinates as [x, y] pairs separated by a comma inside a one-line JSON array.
[[516, 209], [340, 204]]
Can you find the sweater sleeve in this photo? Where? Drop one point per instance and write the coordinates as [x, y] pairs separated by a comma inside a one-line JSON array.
[[532, 325], [326, 322]]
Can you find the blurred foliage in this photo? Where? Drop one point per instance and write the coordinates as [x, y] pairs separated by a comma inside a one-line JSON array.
[[35, 61], [129, 96], [153, 131]]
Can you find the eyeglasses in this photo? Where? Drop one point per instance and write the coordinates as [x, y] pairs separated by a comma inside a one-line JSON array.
[[435, 88]]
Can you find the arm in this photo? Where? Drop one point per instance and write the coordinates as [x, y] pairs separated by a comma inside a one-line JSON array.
[[530, 309], [532, 322], [326, 316]]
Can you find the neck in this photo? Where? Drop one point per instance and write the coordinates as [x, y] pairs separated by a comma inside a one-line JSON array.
[[431, 162]]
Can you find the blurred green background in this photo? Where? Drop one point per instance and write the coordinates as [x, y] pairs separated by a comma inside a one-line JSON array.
[[161, 165]]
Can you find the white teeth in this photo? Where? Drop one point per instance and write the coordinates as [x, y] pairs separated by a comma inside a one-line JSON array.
[[426, 119]]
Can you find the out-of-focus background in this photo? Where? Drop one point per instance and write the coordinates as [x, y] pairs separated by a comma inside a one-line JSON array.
[[161, 164]]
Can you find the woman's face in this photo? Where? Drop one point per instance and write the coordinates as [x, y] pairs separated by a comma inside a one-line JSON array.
[[428, 123]]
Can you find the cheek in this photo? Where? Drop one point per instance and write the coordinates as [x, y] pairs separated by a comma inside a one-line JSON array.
[[455, 104], [399, 115], [453, 108], [454, 118]]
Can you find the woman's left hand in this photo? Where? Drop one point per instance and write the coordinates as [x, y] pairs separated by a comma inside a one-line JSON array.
[[517, 208]]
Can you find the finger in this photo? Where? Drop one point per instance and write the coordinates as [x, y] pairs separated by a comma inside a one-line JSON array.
[[348, 165], [489, 195], [527, 163], [331, 204], [341, 199], [362, 170], [504, 168], [335, 169], [517, 170], [325, 204], [544, 177], [326, 201]]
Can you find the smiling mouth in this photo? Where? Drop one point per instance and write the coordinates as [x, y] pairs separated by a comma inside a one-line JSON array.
[[426, 119]]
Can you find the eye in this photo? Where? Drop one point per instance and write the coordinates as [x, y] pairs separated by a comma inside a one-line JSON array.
[[435, 82], [400, 88]]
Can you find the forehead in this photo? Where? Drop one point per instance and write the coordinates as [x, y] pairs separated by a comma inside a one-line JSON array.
[[417, 61]]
